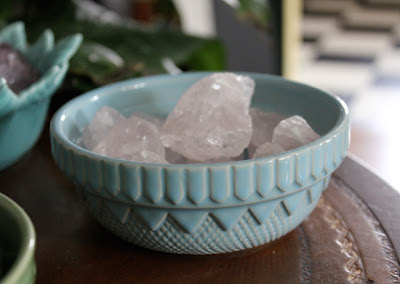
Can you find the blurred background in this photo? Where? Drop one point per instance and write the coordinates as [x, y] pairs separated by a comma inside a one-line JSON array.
[[350, 48]]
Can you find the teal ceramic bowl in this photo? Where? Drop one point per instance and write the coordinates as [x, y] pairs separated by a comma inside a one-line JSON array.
[[17, 244], [22, 117], [203, 208]]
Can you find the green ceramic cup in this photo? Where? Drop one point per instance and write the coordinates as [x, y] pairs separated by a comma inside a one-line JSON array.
[[17, 244]]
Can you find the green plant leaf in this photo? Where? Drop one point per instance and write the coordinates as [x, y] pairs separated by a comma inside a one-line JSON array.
[[141, 51], [96, 61], [211, 56]]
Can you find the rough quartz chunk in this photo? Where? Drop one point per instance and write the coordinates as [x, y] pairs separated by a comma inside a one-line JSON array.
[[133, 139], [293, 132], [101, 124], [263, 127], [18, 72], [267, 149], [171, 156], [211, 120]]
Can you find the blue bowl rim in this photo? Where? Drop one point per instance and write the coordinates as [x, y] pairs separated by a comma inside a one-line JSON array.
[[56, 121]]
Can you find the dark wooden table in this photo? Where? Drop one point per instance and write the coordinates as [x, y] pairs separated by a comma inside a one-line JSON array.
[[353, 236]]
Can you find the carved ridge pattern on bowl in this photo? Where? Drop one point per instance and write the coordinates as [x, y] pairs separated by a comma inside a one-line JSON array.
[[127, 186], [218, 184], [125, 200]]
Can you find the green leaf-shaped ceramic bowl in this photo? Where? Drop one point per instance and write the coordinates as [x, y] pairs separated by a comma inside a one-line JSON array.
[[22, 117]]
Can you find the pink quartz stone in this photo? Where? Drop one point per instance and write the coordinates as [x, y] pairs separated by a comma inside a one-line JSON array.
[[101, 124], [171, 156], [133, 139], [293, 132], [263, 127], [211, 120]]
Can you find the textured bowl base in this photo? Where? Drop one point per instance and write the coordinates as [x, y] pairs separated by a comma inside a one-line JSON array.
[[209, 238]]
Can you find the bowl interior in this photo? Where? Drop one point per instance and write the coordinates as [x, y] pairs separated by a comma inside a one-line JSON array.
[[10, 239], [17, 240], [158, 95]]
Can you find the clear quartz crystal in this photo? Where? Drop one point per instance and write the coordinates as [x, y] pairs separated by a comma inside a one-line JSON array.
[[211, 120], [293, 132], [101, 124], [263, 127], [267, 149], [133, 139]]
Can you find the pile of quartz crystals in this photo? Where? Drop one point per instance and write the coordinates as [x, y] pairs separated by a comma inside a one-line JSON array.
[[211, 120], [211, 123]]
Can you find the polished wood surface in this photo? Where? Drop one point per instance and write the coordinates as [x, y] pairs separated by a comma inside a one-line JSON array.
[[353, 236]]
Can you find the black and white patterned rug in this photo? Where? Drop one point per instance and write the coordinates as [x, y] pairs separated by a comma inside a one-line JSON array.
[[352, 48]]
